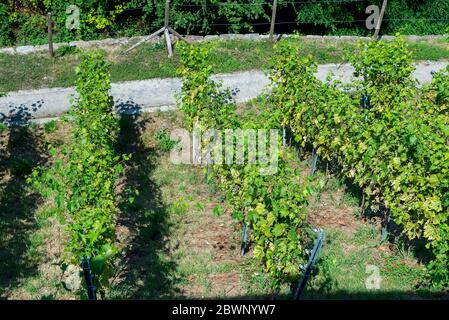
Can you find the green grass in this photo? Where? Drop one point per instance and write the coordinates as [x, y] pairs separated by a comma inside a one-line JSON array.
[[150, 61], [344, 265], [427, 51]]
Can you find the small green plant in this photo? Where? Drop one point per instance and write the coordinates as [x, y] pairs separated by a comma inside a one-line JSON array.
[[333, 184], [166, 144], [50, 126], [324, 275], [3, 128], [217, 211], [349, 200], [65, 50]]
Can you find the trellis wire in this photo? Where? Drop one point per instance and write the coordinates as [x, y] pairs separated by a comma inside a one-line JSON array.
[[267, 3]]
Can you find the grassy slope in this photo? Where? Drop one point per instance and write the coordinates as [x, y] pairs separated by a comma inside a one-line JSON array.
[[173, 244], [150, 61]]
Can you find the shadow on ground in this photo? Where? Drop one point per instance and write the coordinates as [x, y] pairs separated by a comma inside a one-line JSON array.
[[20, 151], [146, 267], [20, 115]]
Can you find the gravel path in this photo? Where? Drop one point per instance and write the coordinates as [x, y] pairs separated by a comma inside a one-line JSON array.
[[159, 94]]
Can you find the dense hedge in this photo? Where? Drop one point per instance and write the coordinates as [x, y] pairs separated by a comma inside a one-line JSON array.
[[24, 21]]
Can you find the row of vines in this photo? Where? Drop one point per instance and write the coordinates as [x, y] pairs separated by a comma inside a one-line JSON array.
[[272, 205], [84, 174], [387, 134]]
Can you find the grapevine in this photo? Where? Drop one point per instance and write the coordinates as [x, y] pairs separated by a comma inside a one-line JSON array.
[[395, 147], [84, 174], [274, 206]]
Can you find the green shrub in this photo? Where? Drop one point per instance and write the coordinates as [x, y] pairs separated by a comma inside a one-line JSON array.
[[65, 50]]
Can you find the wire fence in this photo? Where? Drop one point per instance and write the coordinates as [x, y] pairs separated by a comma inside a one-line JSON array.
[[315, 22], [233, 4], [273, 22], [270, 3]]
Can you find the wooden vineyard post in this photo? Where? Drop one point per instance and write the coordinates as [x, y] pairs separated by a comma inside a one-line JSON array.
[[379, 22], [273, 19], [166, 30], [50, 35]]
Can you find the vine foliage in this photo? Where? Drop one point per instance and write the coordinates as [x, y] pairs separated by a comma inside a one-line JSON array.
[[273, 206], [389, 136], [84, 174]]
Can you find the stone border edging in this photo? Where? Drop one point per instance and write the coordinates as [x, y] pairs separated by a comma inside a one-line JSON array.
[[249, 36]]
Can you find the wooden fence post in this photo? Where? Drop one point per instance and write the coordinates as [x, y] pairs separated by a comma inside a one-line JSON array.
[[273, 19], [50, 35], [167, 13], [379, 22], [166, 31]]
